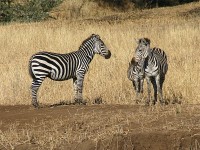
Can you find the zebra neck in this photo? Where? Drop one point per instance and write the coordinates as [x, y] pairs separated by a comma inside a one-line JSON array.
[[87, 49], [88, 53], [90, 57]]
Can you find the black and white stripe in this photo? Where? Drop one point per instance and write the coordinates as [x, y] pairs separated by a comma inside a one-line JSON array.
[[154, 66], [135, 74], [61, 67]]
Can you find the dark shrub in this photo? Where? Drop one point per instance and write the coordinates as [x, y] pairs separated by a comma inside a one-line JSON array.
[[31, 10], [115, 4]]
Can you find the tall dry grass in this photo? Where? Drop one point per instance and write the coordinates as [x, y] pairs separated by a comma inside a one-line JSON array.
[[106, 78]]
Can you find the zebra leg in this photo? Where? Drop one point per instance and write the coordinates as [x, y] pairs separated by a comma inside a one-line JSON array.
[[159, 89], [141, 82], [136, 86], [78, 87], [34, 88], [161, 85], [141, 85], [75, 90], [149, 90], [153, 81]]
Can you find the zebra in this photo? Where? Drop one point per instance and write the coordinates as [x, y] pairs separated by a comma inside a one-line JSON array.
[[60, 67], [134, 74], [153, 63]]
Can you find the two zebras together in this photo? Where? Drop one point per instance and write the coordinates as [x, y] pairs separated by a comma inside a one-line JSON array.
[[150, 64], [74, 66]]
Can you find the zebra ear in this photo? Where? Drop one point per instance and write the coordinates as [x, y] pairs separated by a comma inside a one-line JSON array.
[[96, 36], [143, 41], [129, 64], [137, 41], [147, 41], [133, 60]]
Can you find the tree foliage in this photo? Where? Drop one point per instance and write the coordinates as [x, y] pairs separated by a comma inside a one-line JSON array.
[[159, 3], [37, 10], [119, 4], [123, 4], [31, 10]]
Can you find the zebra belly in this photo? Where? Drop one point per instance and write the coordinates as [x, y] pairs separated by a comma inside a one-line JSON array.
[[151, 72], [60, 77]]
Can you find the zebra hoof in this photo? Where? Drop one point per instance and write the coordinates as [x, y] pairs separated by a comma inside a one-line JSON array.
[[154, 103], [36, 105], [79, 101], [137, 102], [163, 102], [84, 103]]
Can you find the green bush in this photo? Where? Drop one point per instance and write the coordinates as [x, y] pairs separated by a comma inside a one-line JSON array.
[[31, 10]]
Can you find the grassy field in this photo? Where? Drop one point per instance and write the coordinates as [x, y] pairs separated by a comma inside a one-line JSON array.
[[110, 126], [106, 79]]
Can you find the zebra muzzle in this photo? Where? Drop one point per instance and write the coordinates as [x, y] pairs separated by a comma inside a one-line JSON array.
[[108, 55]]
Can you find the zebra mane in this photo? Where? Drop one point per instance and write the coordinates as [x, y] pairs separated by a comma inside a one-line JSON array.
[[83, 43]]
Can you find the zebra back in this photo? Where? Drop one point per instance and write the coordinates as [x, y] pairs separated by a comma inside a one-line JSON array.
[[159, 57]]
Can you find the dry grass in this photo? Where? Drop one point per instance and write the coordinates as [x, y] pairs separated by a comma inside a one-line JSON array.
[[106, 78]]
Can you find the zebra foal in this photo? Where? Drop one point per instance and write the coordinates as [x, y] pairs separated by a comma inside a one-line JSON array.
[[153, 65], [60, 67], [135, 74]]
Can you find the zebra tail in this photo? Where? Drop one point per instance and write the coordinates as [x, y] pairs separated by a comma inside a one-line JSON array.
[[30, 68]]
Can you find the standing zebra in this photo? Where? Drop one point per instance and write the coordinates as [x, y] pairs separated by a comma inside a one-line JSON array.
[[61, 67], [135, 74], [153, 63]]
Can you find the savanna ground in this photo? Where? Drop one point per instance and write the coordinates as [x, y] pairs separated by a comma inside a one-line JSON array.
[[117, 123], [116, 127]]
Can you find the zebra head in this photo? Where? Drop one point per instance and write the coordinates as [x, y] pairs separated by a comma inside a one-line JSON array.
[[100, 48], [135, 70], [142, 49]]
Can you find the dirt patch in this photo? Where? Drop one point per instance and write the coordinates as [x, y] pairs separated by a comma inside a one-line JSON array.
[[113, 127]]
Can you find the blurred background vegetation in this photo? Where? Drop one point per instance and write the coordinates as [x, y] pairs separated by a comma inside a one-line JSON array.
[[37, 10], [26, 11]]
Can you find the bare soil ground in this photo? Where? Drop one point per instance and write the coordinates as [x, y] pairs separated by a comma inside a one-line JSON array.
[[115, 127]]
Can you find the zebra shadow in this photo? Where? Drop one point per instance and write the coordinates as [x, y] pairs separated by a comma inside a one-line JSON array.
[[96, 101], [68, 102]]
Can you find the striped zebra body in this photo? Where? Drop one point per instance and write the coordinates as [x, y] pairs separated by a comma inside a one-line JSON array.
[[135, 75], [156, 62], [153, 63], [60, 67], [57, 67]]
